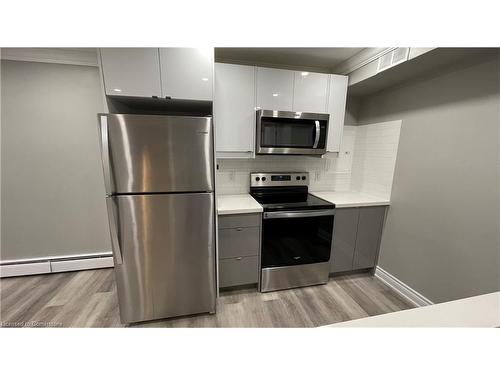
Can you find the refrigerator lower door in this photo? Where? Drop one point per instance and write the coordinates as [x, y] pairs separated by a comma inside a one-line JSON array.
[[167, 247]]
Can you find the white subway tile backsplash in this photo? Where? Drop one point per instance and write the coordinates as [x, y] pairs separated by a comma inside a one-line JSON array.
[[365, 162], [374, 159]]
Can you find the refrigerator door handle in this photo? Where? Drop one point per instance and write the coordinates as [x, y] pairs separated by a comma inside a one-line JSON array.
[[105, 154], [113, 230]]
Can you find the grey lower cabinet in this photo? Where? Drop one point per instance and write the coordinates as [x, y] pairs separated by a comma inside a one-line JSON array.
[[239, 245], [371, 221], [356, 238], [345, 228]]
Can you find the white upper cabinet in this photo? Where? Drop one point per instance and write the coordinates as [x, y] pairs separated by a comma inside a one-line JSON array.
[[336, 109], [275, 89], [187, 73], [310, 92], [234, 110], [131, 71]]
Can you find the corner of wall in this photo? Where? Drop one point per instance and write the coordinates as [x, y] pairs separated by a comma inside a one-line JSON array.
[[352, 110]]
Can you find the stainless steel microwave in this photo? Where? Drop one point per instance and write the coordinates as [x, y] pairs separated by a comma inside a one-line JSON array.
[[296, 133]]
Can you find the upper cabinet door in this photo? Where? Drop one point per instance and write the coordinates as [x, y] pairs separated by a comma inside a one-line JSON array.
[[275, 89], [310, 92], [336, 109], [131, 71], [234, 109], [187, 73]]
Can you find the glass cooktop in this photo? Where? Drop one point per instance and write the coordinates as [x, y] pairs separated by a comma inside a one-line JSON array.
[[285, 199]]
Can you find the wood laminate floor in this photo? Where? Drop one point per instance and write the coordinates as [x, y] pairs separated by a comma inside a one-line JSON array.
[[88, 299]]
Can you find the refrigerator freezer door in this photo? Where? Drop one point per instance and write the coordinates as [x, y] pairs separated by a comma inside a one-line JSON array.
[[159, 154], [168, 251]]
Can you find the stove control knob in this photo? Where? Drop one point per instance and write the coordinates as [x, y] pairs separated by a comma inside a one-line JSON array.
[[297, 178], [263, 179], [303, 177], [257, 178]]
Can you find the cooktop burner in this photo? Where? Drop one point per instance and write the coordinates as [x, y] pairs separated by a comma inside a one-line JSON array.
[[285, 191]]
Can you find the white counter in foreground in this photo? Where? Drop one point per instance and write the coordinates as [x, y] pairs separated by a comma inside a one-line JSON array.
[[237, 204], [351, 198], [478, 311]]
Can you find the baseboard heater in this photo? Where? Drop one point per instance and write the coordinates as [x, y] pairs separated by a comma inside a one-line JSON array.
[[36, 266]]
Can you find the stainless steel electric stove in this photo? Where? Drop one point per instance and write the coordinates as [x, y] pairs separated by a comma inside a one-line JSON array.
[[297, 231]]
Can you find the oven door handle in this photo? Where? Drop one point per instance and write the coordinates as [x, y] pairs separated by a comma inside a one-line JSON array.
[[318, 133], [294, 214]]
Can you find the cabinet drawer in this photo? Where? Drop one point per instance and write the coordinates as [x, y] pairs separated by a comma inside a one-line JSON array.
[[239, 221], [238, 271], [237, 242]]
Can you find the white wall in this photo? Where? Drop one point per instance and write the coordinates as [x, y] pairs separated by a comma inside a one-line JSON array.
[[52, 186]]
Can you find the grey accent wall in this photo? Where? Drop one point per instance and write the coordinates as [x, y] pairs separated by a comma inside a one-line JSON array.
[[442, 230], [52, 194], [352, 110]]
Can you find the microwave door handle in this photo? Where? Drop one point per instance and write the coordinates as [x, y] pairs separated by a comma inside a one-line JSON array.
[[318, 133]]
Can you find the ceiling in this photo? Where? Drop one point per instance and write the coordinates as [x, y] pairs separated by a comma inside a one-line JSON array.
[[314, 59]]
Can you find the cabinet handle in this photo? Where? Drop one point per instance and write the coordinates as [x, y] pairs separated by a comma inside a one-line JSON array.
[[239, 258], [239, 229]]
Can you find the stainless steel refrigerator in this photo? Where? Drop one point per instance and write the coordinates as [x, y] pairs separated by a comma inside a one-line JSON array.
[[159, 177]]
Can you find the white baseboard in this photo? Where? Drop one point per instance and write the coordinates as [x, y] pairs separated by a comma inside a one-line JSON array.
[[402, 289], [81, 264], [38, 268], [55, 265]]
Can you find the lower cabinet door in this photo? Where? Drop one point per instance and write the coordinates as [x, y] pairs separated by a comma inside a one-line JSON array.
[[238, 271], [371, 220], [345, 228]]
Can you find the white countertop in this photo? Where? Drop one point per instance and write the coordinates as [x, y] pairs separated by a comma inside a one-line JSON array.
[[244, 203], [351, 198], [237, 204], [478, 311]]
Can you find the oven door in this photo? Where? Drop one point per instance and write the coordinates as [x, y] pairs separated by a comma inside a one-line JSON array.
[[280, 132], [291, 238]]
